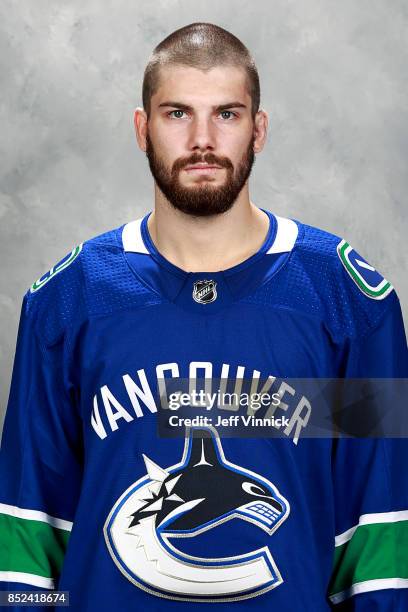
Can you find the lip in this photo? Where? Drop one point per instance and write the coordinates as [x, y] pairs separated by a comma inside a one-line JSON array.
[[202, 168]]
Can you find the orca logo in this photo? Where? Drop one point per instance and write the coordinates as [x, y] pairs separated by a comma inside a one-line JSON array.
[[205, 291], [192, 497]]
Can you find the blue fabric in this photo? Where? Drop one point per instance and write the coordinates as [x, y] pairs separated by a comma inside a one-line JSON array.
[[80, 419]]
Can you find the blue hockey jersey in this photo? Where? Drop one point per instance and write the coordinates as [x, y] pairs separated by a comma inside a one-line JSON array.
[[95, 501]]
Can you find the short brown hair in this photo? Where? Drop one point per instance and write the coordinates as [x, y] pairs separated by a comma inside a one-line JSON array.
[[202, 46]]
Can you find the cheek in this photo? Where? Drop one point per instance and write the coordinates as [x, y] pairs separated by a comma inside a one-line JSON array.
[[234, 145], [163, 149], [170, 144], [166, 131]]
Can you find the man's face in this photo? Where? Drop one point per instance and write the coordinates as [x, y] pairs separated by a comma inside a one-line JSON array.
[[200, 118]]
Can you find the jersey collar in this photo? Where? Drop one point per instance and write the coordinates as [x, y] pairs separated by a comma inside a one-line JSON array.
[[219, 288]]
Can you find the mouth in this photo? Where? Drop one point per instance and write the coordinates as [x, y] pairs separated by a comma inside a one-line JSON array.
[[202, 169], [264, 512]]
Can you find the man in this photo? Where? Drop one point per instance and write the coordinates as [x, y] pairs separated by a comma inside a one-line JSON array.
[[97, 497]]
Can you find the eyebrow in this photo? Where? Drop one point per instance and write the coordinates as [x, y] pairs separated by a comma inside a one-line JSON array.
[[186, 107]]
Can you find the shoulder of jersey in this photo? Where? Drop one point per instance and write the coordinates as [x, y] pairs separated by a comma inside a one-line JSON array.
[[329, 247], [85, 281], [328, 278], [53, 276]]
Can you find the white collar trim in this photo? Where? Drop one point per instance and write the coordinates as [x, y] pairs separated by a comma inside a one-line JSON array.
[[286, 234], [132, 237]]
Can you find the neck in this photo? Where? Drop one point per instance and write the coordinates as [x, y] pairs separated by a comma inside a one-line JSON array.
[[208, 244]]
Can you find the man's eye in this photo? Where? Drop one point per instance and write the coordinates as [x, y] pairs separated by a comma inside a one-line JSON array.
[[175, 111], [228, 112]]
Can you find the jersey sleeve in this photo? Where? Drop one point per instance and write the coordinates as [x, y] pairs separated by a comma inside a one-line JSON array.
[[40, 463], [370, 487]]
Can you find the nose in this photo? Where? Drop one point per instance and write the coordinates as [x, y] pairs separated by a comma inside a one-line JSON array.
[[202, 134]]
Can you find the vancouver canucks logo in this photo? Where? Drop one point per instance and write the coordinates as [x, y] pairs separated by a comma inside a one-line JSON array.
[[205, 291], [61, 265], [367, 279], [175, 505]]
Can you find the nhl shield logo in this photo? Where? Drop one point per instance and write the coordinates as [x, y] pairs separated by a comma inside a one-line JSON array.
[[205, 291]]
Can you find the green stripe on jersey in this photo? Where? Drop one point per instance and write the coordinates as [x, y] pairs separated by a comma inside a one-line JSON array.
[[31, 546], [375, 551]]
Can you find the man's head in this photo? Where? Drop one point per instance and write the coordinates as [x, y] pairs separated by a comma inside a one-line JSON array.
[[201, 106]]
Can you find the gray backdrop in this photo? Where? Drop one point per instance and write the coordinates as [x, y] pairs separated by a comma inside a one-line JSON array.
[[333, 79]]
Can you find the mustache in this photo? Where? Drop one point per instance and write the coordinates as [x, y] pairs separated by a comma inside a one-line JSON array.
[[208, 158]]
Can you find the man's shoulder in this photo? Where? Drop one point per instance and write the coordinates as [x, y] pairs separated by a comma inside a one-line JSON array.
[[69, 266], [328, 251], [329, 278], [92, 278]]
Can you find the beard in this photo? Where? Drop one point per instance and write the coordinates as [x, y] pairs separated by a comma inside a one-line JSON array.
[[202, 199]]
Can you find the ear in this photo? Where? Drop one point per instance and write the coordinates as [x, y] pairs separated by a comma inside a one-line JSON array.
[[140, 123], [260, 130]]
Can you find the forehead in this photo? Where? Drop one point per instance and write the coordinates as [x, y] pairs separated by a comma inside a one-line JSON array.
[[218, 85]]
